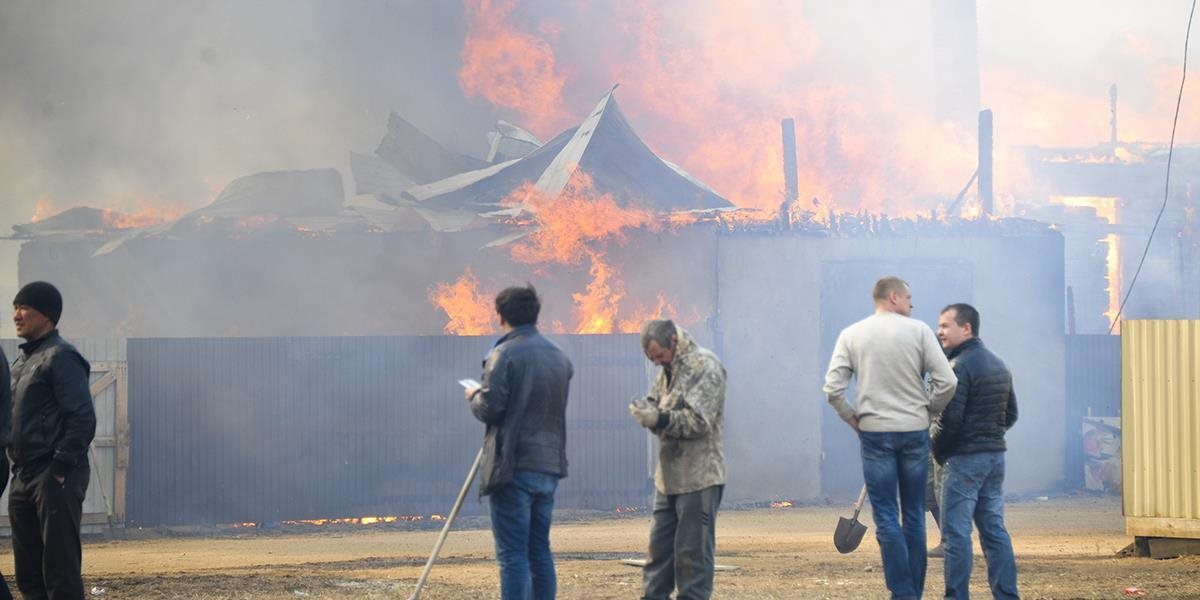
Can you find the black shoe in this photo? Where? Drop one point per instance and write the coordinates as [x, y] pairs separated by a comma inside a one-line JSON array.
[[936, 552]]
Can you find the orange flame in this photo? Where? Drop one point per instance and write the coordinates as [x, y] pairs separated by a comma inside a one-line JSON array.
[[596, 309], [511, 68], [567, 228], [782, 504], [42, 210], [1105, 208], [368, 520], [858, 142], [566, 223], [469, 309], [145, 216]]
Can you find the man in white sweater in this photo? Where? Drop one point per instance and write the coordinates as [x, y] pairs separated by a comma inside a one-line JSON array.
[[889, 355]]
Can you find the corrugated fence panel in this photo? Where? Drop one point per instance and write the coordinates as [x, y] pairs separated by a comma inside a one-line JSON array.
[[606, 449], [99, 502], [1160, 427], [1093, 389], [271, 429], [102, 349]]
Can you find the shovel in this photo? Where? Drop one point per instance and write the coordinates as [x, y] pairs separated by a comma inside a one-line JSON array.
[[437, 546], [849, 532]]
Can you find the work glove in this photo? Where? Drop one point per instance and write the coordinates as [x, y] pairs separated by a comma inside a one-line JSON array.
[[644, 412]]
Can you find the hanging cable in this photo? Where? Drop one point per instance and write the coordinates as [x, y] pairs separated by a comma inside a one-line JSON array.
[[1167, 188]]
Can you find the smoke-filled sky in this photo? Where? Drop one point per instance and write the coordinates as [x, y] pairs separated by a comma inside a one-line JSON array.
[[142, 103]]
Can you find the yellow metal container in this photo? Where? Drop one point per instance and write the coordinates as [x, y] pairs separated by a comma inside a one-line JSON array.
[[1160, 428]]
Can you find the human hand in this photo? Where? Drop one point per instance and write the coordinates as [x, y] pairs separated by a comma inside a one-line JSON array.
[[60, 479], [854, 424], [468, 393], [645, 413]]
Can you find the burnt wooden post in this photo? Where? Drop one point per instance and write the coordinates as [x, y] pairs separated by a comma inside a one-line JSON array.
[[791, 180], [985, 161], [1112, 122]]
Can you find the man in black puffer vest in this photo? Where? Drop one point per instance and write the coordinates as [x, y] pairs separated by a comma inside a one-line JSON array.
[[970, 447], [523, 401]]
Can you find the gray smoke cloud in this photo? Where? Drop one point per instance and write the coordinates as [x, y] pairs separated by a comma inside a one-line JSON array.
[[119, 104]]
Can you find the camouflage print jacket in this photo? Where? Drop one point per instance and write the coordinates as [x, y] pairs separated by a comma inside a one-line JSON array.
[[692, 404]]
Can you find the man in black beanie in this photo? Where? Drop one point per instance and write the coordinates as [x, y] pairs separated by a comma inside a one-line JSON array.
[[53, 423]]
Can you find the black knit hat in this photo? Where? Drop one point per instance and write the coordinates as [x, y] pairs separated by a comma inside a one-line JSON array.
[[42, 297]]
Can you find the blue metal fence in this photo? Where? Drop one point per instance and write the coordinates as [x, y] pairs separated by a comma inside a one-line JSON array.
[[267, 429]]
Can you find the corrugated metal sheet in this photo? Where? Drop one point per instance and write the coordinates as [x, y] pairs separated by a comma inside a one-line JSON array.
[[1093, 380], [93, 349], [1160, 427], [269, 429]]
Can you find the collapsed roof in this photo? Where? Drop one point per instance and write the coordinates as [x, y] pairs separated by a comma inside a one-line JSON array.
[[604, 146], [418, 184]]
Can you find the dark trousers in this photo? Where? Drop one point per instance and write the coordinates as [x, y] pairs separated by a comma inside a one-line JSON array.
[[5, 593], [683, 541], [45, 518]]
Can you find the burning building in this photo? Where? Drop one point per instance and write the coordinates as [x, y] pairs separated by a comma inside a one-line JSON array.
[[610, 233]]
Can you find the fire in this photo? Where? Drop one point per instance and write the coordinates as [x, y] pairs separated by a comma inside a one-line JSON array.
[[971, 210], [511, 68], [372, 520], [858, 142], [255, 221], [574, 225], [566, 229], [596, 309], [368, 520], [145, 216], [782, 504], [127, 214], [566, 223], [469, 309], [42, 210], [1105, 208]]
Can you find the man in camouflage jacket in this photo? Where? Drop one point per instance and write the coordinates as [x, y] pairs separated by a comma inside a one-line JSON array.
[[686, 410]]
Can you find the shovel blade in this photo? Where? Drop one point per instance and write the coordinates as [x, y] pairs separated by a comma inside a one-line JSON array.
[[848, 535]]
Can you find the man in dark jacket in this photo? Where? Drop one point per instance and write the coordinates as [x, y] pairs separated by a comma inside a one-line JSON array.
[[970, 446], [5, 440], [523, 401], [53, 423]]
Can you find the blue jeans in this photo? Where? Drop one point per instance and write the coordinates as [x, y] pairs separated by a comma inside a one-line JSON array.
[[972, 490], [898, 462], [521, 527]]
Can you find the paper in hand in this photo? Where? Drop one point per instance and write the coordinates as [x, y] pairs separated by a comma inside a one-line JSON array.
[[468, 383]]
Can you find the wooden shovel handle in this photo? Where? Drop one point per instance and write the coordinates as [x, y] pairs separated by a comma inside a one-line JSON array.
[[862, 496]]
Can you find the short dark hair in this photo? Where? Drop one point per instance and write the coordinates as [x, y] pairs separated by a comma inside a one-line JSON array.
[[963, 314], [518, 305]]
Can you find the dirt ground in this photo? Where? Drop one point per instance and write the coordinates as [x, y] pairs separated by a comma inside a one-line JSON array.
[[1065, 548]]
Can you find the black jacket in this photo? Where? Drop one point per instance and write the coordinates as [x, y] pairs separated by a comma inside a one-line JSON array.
[[984, 404], [523, 401], [5, 403], [53, 419]]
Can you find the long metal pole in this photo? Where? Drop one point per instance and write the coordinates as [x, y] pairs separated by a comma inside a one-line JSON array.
[[437, 547]]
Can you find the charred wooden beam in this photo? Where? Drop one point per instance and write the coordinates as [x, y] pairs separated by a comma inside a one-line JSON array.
[[985, 161], [791, 179]]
